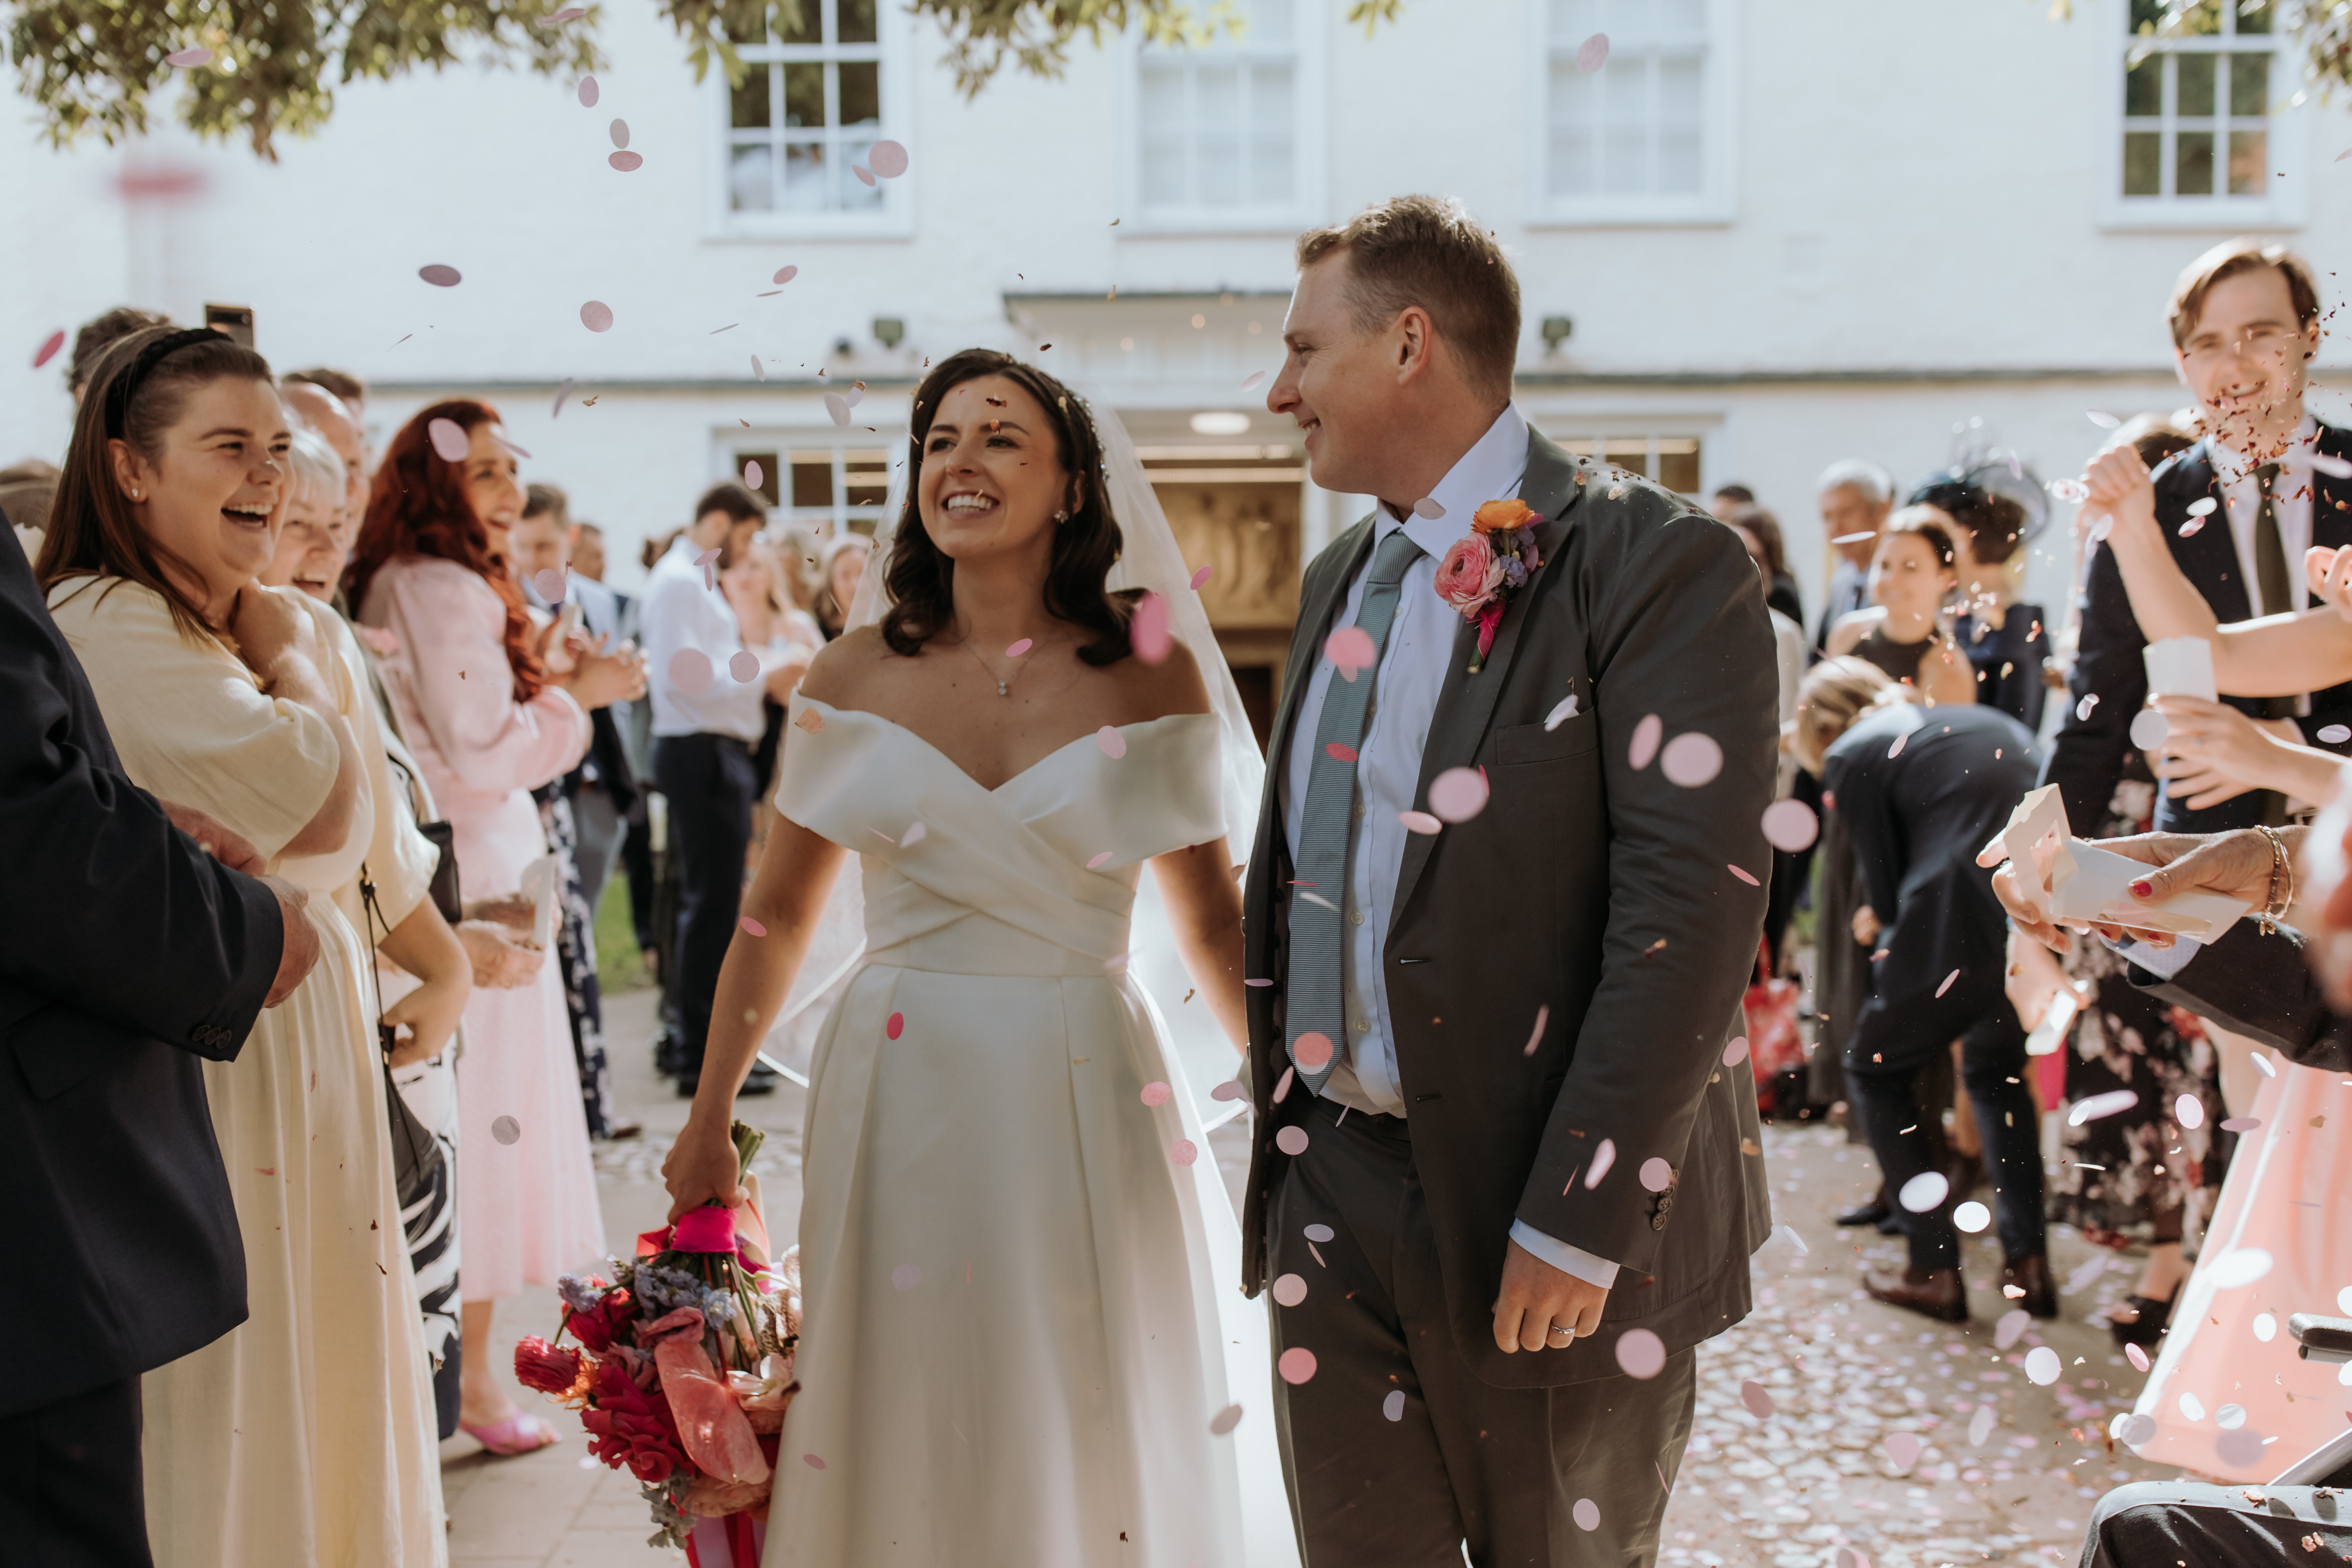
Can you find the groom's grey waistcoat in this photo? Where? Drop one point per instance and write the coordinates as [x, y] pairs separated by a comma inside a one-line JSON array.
[[1587, 887]]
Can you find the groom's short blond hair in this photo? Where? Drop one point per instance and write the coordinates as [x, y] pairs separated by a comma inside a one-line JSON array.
[[1428, 251]]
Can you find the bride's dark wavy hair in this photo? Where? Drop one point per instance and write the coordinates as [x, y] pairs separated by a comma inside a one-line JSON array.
[[922, 577]]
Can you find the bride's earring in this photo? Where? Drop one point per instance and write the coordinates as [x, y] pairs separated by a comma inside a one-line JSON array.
[[1060, 518]]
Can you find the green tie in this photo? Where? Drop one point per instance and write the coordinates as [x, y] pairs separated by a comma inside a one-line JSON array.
[[2270, 577]]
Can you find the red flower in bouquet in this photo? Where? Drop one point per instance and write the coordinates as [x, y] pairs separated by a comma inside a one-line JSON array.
[[549, 1369], [630, 1428], [597, 1329]]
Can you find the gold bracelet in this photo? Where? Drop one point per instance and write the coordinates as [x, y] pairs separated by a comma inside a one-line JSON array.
[[2281, 872]]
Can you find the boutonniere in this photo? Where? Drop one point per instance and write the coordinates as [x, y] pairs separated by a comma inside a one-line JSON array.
[[1481, 572]]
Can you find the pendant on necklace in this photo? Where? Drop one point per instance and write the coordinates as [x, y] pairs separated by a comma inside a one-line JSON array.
[[1000, 689]]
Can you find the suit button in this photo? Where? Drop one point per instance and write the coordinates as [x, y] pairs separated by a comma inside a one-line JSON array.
[[1658, 1222]]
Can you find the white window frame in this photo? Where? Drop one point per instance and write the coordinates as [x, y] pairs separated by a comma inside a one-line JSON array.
[[731, 446], [1716, 202], [894, 219], [2285, 203], [1306, 53]]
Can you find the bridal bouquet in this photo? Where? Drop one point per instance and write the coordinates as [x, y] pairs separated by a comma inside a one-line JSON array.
[[682, 1372]]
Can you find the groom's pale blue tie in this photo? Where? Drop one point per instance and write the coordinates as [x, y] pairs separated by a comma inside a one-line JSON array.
[[1318, 926]]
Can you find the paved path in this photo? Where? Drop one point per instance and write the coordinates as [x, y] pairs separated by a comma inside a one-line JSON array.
[[1843, 1373]]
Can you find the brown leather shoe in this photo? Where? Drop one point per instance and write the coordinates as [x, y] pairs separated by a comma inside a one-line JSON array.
[[2031, 1275], [1934, 1292]]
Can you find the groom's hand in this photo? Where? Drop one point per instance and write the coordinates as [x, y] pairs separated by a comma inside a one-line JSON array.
[[1536, 1296]]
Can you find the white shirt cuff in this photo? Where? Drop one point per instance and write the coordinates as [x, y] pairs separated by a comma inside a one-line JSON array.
[[1566, 1258], [2164, 962]]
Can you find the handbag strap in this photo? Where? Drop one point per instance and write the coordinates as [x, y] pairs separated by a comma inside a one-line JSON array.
[[374, 918]]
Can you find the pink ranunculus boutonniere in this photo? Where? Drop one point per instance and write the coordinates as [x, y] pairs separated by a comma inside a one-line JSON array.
[[1481, 571]]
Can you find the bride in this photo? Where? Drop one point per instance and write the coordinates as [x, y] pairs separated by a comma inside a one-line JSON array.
[[1021, 1330]]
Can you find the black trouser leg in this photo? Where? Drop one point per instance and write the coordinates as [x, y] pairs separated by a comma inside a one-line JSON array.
[[1396, 1454], [637, 861], [707, 781], [72, 1492], [1992, 1069]]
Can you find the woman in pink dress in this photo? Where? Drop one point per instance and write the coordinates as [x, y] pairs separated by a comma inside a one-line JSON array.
[[489, 722]]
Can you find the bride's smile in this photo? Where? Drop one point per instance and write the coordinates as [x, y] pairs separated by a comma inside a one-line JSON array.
[[993, 482]]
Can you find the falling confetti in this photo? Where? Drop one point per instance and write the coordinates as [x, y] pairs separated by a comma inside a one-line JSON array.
[[2191, 529], [1753, 1396], [887, 159], [2073, 490], [1790, 826], [506, 1130], [1896, 749], [1155, 1093], [1457, 795], [906, 1276], [1971, 1216], [1543, 1016], [1224, 1420], [2041, 1366], [2103, 419], [744, 666], [1113, 744], [1902, 1449], [689, 670], [2189, 1111], [2238, 1266], [1100, 861], [1339, 752], [1297, 1364], [569, 13], [1743, 875], [1736, 1052], [864, 174], [587, 92], [1149, 630], [1183, 1152], [1320, 1233], [1947, 985], [561, 394], [1350, 649], [1586, 1513], [1656, 1175], [1646, 736], [2148, 729], [619, 131], [1251, 382], [837, 407], [1420, 822], [1229, 1089], [506, 445], [1392, 1404], [2097, 1106], [1290, 1289], [1924, 1193], [440, 276], [754, 927], [2265, 1327], [1429, 507], [596, 316], [190, 59], [1592, 54], [2335, 734], [811, 1461], [1312, 1050], [1602, 1158], [1691, 760], [2082, 709], [51, 344], [550, 584], [1981, 1425], [449, 439], [1641, 1353], [2263, 1061], [1197, 579], [895, 1028], [916, 833], [2135, 1430], [752, 472], [2136, 1356]]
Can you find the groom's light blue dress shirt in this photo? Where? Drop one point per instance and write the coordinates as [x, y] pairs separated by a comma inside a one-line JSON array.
[[1388, 771]]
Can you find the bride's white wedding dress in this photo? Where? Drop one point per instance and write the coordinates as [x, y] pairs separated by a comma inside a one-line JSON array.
[[1022, 1311]]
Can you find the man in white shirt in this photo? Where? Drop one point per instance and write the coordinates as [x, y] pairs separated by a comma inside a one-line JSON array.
[[1854, 498], [707, 691]]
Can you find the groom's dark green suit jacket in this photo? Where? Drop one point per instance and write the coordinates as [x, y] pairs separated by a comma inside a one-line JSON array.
[[1590, 891]]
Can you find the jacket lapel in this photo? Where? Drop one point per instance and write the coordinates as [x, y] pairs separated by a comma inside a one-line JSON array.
[[1466, 702], [2209, 557]]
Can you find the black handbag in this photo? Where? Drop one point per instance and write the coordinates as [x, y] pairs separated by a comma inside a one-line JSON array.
[[417, 1166], [445, 895]]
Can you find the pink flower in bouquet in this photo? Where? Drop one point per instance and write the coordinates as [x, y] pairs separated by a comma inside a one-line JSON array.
[[710, 1426], [630, 1428], [548, 1368], [1469, 573], [601, 1325], [709, 1497]]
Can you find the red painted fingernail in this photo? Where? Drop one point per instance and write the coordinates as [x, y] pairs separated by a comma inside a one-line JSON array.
[[2144, 890]]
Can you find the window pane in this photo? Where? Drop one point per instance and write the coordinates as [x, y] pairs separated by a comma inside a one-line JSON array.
[[752, 178], [1217, 96], [1270, 106], [803, 93], [1575, 97], [861, 93], [2192, 164], [2249, 85], [867, 476], [2144, 88], [855, 195], [1678, 471], [2250, 162], [1218, 169], [2201, 19], [1679, 162], [2143, 164], [1573, 21], [1164, 171], [2147, 15], [2254, 16], [804, 177], [802, 23], [2193, 85], [1624, 161], [1679, 15], [855, 21], [747, 106], [1160, 98], [812, 479], [1270, 167], [768, 476], [1678, 95], [1571, 171], [754, 34], [1270, 22]]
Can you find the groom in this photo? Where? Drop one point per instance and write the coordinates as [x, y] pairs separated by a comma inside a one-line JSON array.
[[1504, 1178]]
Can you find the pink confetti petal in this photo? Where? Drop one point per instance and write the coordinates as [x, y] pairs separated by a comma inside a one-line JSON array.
[[2042, 1366], [916, 833], [1392, 1404], [689, 670], [2335, 734], [596, 316], [1947, 985], [450, 441], [744, 666], [1147, 632], [1257, 982], [507, 446], [836, 408], [2241, 1124], [1641, 1353], [906, 1276], [1113, 744], [1312, 1050], [895, 1028], [1282, 1085], [1691, 760], [1655, 1174], [1790, 825], [1420, 822], [506, 1130], [1229, 1089], [619, 131], [864, 174], [1290, 1289], [1350, 649], [1736, 1052], [2070, 490], [1183, 1152], [887, 159], [2191, 529], [1743, 875], [2098, 1107], [2103, 419], [1338, 752], [1592, 54], [1429, 507], [440, 276], [1156, 1093], [190, 59], [785, 274], [1896, 749], [1457, 795], [1902, 1449], [1586, 1513], [587, 92], [1297, 1364], [563, 394], [1543, 1016], [1253, 381], [754, 927], [2136, 1356], [1602, 1158], [1224, 1420], [1100, 861], [1291, 1140], [752, 472], [1924, 1193], [758, 373], [1198, 577], [556, 19], [627, 163], [1318, 1232], [811, 1461], [1759, 1402], [57, 340], [1646, 736], [550, 584]]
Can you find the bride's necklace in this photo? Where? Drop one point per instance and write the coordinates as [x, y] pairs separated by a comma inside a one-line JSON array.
[[1004, 685]]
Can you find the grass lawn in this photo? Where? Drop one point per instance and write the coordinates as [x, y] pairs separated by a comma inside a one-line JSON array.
[[619, 966]]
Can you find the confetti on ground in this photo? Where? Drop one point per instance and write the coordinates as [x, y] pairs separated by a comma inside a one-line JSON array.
[[1691, 760], [1113, 744], [450, 442], [506, 1130], [1457, 795], [1646, 736], [754, 927], [1297, 1364], [596, 316], [1902, 1449]]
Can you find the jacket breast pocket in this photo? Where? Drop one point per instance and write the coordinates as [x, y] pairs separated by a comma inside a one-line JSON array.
[[1577, 734]]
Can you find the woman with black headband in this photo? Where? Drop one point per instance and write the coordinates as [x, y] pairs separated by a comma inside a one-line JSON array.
[[2005, 642], [305, 1435]]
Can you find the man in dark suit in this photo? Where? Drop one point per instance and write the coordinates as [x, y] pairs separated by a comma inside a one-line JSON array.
[[1505, 1176], [129, 947], [2238, 509]]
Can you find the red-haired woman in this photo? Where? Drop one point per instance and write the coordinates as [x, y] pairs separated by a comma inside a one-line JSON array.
[[489, 722]]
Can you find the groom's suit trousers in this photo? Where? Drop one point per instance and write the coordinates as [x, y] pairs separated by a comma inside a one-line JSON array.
[[1395, 1453]]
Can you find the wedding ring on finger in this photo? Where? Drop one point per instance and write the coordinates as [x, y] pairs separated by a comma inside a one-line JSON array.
[[1564, 1334]]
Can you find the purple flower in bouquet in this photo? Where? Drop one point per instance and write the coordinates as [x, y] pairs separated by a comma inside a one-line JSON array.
[[1515, 572], [581, 1295]]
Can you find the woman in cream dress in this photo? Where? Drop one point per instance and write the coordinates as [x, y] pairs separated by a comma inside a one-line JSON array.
[[306, 1435]]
